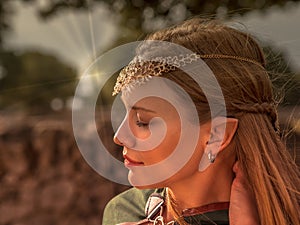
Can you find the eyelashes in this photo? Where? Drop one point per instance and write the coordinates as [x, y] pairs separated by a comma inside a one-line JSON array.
[[141, 124]]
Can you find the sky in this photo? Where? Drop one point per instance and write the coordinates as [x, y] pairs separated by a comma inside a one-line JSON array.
[[70, 35], [280, 27]]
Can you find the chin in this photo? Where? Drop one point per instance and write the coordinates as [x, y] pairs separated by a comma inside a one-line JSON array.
[[153, 186], [137, 182]]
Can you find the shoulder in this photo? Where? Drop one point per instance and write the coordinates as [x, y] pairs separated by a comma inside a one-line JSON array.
[[128, 206]]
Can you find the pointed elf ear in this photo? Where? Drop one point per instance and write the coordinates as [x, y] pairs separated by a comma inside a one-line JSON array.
[[221, 134]]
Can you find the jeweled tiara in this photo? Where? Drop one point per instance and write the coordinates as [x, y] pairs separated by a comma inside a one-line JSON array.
[[139, 69]]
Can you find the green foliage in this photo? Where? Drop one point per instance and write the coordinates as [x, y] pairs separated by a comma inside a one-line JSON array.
[[32, 80], [5, 11], [138, 16], [134, 11]]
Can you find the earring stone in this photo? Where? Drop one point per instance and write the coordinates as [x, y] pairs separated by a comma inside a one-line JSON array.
[[211, 157]]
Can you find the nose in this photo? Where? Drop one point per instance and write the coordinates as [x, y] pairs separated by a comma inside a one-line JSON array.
[[124, 140], [117, 141], [124, 136]]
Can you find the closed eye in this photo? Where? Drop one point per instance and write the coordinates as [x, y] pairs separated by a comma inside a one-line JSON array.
[[141, 124]]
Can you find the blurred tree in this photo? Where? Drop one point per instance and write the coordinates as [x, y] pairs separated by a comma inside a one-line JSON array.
[[137, 16], [5, 11], [33, 80]]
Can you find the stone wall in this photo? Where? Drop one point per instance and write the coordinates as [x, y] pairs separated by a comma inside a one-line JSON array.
[[44, 178]]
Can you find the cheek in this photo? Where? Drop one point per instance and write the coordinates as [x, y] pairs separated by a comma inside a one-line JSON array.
[[165, 148], [168, 146]]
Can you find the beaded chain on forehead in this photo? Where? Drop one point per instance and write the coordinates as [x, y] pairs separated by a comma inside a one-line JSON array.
[[139, 71]]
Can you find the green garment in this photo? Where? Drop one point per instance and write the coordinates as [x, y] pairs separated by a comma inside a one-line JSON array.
[[129, 206]]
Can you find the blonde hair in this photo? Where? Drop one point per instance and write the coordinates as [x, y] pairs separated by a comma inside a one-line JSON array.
[[272, 174]]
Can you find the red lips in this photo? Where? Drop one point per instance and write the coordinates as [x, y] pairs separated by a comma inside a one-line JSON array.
[[130, 162]]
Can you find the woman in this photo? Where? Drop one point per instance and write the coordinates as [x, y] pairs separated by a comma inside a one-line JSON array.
[[238, 171]]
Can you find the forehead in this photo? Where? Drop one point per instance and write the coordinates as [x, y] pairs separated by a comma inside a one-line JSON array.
[[162, 96], [155, 88]]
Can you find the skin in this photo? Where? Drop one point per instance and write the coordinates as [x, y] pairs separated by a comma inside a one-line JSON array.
[[139, 117], [190, 187], [242, 203]]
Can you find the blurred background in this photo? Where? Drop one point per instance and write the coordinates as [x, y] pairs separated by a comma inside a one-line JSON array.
[[45, 47]]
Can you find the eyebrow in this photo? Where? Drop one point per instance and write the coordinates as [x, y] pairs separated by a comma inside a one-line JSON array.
[[143, 109]]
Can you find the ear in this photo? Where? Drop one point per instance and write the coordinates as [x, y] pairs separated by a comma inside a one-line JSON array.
[[222, 132]]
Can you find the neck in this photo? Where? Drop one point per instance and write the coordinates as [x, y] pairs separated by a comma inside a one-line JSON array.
[[202, 188]]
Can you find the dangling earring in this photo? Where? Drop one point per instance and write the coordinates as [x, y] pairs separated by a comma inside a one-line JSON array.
[[211, 157]]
